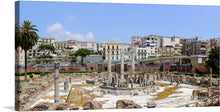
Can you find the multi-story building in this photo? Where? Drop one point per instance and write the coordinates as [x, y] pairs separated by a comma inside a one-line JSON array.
[[113, 48], [99, 46], [19, 57], [195, 46], [169, 51], [214, 41], [169, 41], [92, 46], [151, 43], [136, 40], [141, 53], [32, 53], [61, 45]]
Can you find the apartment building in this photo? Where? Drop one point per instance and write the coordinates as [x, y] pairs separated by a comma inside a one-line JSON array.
[[90, 45], [136, 40], [214, 41], [34, 52], [169, 51], [113, 48], [141, 53], [61, 45], [151, 43], [99, 46], [195, 46]]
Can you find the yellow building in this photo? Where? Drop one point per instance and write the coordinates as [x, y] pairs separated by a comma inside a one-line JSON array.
[[169, 50], [113, 48]]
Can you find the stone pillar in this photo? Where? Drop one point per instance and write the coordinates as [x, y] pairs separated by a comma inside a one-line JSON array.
[[96, 66], [66, 86], [144, 66], [122, 65], [181, 64], [178, 80], [70, 81], [132, 64], [171, 81], [169, 64], [210, 77], [109, 68], [56, 82]]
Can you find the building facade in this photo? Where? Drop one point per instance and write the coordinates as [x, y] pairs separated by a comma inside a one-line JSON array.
[[214, 41], [195, 46], [113, 48], [136, 40], [34, 52], [169, 51]]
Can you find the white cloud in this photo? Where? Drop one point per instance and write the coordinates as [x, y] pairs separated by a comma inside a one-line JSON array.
[[60, 34]]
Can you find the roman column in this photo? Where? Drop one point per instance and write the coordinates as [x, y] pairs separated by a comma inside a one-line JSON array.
[[122, 64], [56, 82], [109, 68], [132, 63]]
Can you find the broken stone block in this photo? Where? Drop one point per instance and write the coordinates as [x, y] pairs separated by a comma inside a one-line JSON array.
[[92, 105], [151, 105], [126, 104]]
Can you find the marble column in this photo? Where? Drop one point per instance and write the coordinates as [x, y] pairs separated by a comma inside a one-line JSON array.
[[66, 85], [132, 64], [109, 68], [171, 81], [181, 64], [122, 65], [56, 82]]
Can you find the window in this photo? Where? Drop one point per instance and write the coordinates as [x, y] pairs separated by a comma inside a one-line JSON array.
[[21, 57], [108, 46], [112, 46], [21, 51]]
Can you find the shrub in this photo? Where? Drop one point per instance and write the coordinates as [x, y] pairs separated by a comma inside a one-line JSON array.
[[31, 75], [191, 74], [215, 75], [43, 73], [43, 56], [178, 73], [201, 69]]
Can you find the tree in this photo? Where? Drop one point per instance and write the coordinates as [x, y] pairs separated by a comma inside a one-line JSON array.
[[213, 59], [28, 38], [82, 52], [46, 48]]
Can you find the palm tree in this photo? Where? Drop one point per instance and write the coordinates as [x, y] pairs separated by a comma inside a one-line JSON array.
[[29, 38]]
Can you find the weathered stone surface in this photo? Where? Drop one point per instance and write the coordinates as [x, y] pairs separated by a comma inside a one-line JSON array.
[[42, 106], [89, 81], [151, 105], [126, 104], [92, 105]]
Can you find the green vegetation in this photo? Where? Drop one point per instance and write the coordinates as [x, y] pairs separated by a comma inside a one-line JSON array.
[[191, 74], [82, 52], [43, 56], [31, 75], [46, 48], [26, 37], [213, 59], [29, 57]]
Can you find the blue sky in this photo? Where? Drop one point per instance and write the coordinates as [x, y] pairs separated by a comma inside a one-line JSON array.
[[118, 22]]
